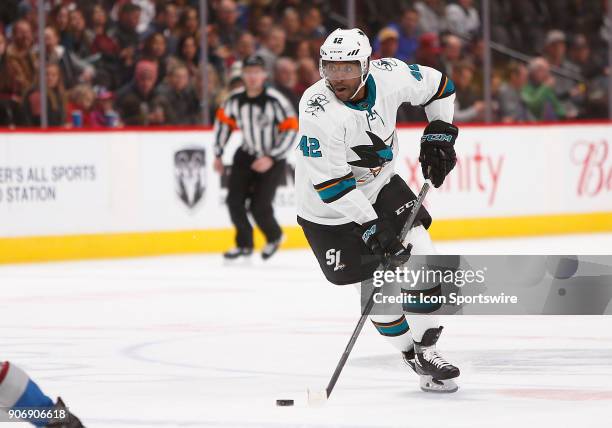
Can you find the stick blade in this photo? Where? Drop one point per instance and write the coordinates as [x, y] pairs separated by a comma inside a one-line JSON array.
[[317, 397]]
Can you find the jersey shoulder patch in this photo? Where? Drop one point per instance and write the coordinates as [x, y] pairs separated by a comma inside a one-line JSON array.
[[387, 64], [316, 100]]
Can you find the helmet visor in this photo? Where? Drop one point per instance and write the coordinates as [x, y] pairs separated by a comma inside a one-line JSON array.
[[341, 70]]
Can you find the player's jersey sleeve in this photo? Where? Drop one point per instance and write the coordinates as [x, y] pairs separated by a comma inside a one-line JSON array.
[[323, 154], [424, 86]]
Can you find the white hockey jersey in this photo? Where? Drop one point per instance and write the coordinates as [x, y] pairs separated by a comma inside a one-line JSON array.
[[347, 151]]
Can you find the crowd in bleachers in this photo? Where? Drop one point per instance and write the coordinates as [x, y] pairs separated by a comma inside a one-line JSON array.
[[137, 62]]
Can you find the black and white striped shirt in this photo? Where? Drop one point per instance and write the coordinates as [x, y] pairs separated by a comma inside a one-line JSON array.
[[268, 123]]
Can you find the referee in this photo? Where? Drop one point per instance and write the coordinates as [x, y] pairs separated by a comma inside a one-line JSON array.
[[269, 125]]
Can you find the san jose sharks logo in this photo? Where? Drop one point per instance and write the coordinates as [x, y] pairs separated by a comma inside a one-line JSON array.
[[315, 104], [385, 64], [374, 156]]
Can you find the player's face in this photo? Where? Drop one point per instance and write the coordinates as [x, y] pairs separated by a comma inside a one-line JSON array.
[[344, 77]]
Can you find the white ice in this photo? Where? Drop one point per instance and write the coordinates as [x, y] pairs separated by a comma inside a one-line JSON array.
[[187, 342]]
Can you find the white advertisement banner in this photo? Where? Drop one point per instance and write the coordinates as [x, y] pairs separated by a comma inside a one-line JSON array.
[[60, 183]]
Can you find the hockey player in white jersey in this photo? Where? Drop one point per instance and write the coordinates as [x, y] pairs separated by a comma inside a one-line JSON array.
[[350, 201]]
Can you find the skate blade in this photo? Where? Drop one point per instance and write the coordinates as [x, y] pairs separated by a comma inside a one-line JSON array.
[[237, 262], [429, 384]]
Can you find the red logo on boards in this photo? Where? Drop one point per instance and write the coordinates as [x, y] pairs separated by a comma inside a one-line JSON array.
[[595, 163], [474, 172]]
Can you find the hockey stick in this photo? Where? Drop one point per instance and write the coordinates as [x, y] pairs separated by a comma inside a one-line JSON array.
[[314, 398]]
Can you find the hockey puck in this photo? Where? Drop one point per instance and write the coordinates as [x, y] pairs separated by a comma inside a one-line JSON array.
[[284, 402]]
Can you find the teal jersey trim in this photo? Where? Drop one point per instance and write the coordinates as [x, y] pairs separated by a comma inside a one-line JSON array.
[[337, 190], [450, 88], [370, 99]]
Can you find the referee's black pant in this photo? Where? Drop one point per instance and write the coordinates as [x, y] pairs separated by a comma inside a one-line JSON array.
[[246, 185]]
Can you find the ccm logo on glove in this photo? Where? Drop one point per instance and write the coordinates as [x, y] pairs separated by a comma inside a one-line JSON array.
[[438, 156]]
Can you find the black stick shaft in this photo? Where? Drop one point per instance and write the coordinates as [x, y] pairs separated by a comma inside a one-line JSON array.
[[370, 304]]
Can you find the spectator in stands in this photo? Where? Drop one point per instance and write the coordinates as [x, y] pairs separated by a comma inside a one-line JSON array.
[[56, 100], [111, 71], [581, 58], [475, 54], [227, 17], [272, 47], [217, 54], [409, 33], [388, 39], [59, 18], [147, 13], [594, 100], [291, 24], [451, 53], [512, 108], [468, 108], [126, 37], [81, 100], [312, 24], [137, 102], [188, 24], [555, 50], [286, 79], [154, 49], [19, 50], [217, 93], [431, 16], [245, 46], [99, 20], [462, 18], [104, 115], [165, 22], [428, 52], [102, 42], [125, 32], [308, 74], [74, 69], [539, 95], [264, 24], [179, 97], [79, 38], [107, 34], [304, 50], [189, 55], [12, 87]]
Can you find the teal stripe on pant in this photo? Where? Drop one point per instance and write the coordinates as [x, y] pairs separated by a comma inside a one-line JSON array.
[[395, 328]]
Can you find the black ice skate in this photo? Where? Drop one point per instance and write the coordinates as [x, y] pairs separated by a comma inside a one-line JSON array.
[[435, 372], [238, 253], [270, 248], [69, 421]]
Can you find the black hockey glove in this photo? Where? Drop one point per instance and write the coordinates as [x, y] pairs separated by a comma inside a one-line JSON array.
[[381, 239], [438, 156]]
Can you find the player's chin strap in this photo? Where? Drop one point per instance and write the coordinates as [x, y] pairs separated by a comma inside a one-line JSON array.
[[364, 77], [361, 85]]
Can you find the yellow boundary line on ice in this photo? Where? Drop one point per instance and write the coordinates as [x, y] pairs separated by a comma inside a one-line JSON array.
[[90, 246]]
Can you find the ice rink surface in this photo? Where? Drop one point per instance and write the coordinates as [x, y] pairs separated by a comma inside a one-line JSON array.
[[188, 342]]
